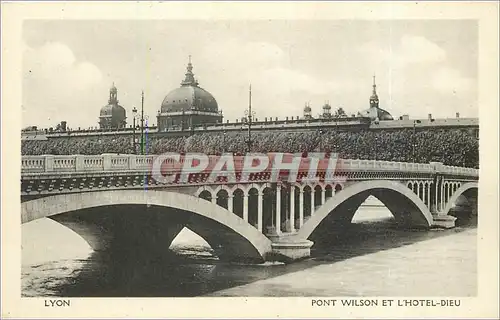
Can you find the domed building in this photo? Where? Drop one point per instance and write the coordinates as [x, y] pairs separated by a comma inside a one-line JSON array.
[[327, 111], [374, 112], [112, 115], [307, 112], [188, 106]]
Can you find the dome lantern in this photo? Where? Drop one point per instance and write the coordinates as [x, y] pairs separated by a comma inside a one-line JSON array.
[[189, 80], [374, 97]]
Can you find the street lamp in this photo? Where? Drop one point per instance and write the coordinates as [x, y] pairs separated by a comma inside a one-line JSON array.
[[145, 130], [250, 114], [142, 122], [414, 144], [376, 144], [414, 155], [134, 116], [320, 142], [140, 118], [224, 141]]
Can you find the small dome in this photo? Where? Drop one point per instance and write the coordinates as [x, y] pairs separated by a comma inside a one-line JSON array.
[[112, 110], [112, 115], [376, 113]]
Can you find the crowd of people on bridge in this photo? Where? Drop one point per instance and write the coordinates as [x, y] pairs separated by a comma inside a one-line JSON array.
[[456, 147]]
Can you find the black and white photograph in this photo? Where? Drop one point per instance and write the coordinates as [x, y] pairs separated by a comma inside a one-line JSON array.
[[245, 158]]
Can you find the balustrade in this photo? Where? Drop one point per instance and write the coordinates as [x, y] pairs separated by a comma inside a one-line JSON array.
[[33, 164], [63, 163], [113, 162]]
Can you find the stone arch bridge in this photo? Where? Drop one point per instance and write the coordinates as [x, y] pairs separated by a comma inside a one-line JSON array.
[[113, 201]]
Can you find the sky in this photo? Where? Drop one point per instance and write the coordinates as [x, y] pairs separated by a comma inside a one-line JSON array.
[[421, 66]]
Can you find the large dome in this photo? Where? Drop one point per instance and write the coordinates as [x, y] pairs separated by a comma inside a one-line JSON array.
[[189, 97]]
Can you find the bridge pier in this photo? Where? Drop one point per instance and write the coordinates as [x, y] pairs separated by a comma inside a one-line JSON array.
[[287, 247], [291, 251], [443, 221]]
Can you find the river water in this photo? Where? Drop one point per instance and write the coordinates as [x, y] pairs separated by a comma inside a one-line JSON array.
[[370, 257]]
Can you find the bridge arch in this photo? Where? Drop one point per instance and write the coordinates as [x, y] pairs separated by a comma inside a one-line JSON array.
[[338, 187], [204, 189], [467, 190], [243, 188], [397, 197], [235, 238], [223, 197]]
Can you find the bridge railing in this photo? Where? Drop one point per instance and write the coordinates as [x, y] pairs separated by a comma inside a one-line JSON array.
[[85, 163], [143, 163], [378, 165], [33, 164], [460, 170]]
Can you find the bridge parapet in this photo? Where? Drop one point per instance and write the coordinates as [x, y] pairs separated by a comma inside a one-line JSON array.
[[49, 174], [85, 163], [143, 163], [378, 165]]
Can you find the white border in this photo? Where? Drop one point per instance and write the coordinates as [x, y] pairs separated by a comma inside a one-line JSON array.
[[484, 305]]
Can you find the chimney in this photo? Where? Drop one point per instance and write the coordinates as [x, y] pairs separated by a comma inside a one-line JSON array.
[[457, 115]]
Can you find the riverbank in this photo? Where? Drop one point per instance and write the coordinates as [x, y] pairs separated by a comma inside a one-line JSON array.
[[443, 266]]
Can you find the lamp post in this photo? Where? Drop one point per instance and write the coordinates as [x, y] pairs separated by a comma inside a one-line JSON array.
[[145, 133], [320, 142], [140, 118], [376, 144], [134, 142], [224, 141], [414, 143], [250, 114], [142, 122]]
